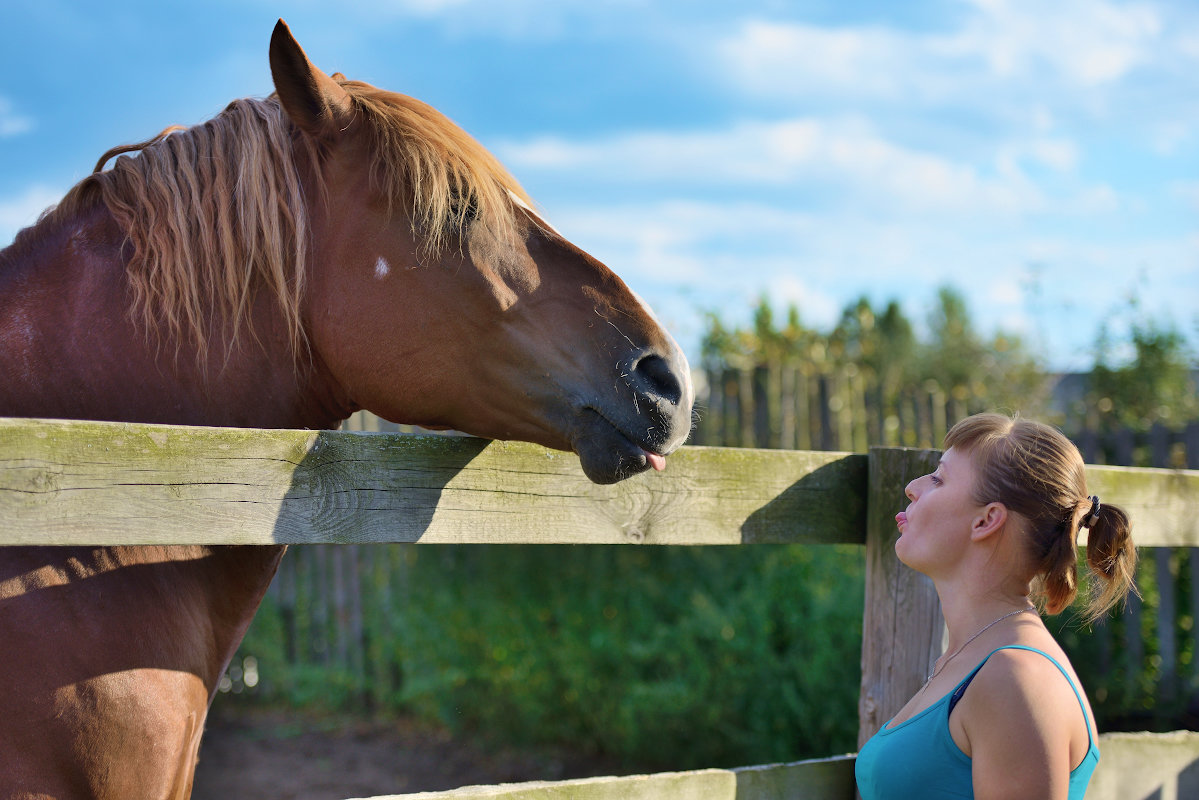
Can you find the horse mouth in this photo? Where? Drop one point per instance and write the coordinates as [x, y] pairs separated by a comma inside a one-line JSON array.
[[609, 454]]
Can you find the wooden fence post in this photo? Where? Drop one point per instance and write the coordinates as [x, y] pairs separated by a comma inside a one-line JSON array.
[[903, 631]]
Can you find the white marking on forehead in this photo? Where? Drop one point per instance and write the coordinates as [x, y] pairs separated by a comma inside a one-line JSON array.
[[537, 217], [382, 268]]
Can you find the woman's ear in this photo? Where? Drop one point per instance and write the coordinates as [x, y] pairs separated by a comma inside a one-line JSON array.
[[992, 518]]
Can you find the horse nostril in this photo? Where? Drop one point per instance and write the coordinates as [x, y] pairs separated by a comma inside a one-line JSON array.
[[654, 376]]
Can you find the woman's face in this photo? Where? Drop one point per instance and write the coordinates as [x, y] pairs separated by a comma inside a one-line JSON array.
[[935, 527]]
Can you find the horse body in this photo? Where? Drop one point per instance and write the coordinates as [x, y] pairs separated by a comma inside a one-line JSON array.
[[420, 287], [113, 656]]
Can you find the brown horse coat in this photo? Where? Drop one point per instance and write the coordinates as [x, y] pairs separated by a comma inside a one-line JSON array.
[[334, 247]]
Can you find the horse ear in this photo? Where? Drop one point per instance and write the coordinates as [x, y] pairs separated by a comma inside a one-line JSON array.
[[312, 99]]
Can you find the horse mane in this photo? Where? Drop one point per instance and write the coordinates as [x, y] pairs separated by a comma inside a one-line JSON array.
[[216, 212], [449, 180]]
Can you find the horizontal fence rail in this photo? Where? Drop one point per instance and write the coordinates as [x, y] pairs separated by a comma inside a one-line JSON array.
[[1133, 766], [70, 482], [117, 483], [815, 780]]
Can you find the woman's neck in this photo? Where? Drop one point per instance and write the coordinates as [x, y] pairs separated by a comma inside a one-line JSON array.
[[968, 610]]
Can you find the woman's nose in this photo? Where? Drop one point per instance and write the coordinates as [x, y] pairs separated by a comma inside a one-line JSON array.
[[910, 489]]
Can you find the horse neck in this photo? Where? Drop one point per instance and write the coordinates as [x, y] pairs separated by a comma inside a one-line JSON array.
[[188, 607], [69, 347], [239, 577]]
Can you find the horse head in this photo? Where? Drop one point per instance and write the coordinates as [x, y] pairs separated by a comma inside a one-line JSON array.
[[437, 296]]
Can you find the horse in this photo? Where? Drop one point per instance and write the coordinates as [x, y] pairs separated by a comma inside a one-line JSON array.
[[330, 248]]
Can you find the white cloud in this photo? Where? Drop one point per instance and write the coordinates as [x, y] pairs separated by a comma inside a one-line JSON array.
[[998, 47], [683, 242], [802, 61], [1170, 136], [1007, 301], [1098, 200], [819, 308], [1188, 191], [11, 122], [845, 160], [1006, 290], [1056, 153], [24, 209], [1188, 45], [1082, 41], [706, 220]]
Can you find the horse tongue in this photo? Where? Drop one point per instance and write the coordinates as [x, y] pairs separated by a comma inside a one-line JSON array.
[[656, 461]]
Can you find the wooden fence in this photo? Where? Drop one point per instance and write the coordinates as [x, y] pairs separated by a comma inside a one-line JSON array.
[[786, 406], [106, 483]]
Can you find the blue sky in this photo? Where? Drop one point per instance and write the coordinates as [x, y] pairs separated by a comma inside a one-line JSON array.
[[1042, 158]]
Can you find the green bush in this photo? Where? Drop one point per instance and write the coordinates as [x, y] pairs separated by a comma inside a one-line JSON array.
[[667, 658]]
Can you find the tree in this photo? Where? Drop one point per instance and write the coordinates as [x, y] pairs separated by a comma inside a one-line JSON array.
[[882, 345], [953, 354], [763, 343], [880, 353], [1156, 385], [1002, 372]]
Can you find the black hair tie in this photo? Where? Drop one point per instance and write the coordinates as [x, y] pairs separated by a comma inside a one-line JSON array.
[[1093, 518]]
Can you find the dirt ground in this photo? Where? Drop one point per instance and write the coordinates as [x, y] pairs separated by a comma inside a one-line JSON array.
[[282, 756]]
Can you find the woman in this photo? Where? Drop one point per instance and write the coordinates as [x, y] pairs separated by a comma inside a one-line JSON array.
[[995, 527]]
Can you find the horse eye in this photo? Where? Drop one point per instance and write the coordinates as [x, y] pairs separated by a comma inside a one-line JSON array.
[[464, 208]]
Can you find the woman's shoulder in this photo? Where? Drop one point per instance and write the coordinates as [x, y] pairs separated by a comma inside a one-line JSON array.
[[1032, 683], [1015, 665], [1024, 706]]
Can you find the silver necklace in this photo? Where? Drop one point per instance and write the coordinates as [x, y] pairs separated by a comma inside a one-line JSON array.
[[983, 630]]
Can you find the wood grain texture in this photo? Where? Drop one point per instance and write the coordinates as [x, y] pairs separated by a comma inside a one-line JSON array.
[[822, 779], [1163, 504], [69, 482]]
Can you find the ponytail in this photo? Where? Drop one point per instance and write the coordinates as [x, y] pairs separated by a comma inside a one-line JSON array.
[[1112, 559], [1058, 583]]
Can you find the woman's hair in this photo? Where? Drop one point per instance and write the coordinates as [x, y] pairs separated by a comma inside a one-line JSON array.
[[1037, 473]]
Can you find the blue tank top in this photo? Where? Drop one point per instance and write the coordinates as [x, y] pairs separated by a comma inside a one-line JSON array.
[[919, 759]]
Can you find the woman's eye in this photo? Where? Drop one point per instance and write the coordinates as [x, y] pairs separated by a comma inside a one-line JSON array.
[[936, 481]]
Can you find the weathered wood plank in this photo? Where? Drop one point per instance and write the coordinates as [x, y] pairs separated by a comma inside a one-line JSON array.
[[818, 779], [1157, 766], [823, 779], [71, 482], [708, 784], [1162, 503], [1133, 765]]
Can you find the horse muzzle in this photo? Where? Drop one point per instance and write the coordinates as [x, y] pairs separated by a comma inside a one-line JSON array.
[[645, 417]]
